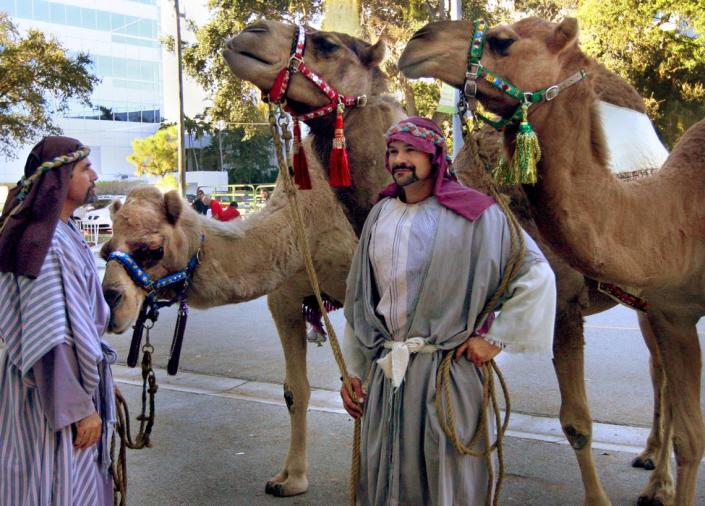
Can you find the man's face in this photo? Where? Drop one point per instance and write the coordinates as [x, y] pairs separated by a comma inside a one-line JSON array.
[[408, 164], [82, 183]]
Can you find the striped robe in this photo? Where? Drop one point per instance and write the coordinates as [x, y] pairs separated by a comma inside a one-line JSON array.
[[62, 308]]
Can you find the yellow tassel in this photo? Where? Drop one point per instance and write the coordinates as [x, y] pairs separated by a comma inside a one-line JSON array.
[[527, 154]]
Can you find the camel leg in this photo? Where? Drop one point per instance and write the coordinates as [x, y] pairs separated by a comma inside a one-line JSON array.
[[286, 311], [660, 491], [647, 458], [575, 416], [679, 348]]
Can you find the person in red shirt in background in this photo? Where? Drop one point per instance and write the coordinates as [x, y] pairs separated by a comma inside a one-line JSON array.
[[224, 214]]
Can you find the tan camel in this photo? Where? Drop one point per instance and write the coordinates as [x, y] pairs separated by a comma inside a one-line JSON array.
[[144, 209], [646, 234], [259, 255]]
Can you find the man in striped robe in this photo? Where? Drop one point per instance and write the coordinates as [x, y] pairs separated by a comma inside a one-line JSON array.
[[431, 254], [56, 392]]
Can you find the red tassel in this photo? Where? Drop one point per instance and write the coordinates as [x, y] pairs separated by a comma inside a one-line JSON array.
[[339, 168], [301, 176]]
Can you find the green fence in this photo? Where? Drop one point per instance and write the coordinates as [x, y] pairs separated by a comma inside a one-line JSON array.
[[249, 197]]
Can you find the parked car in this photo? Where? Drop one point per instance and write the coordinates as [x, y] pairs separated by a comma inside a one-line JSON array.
[[98, 213]]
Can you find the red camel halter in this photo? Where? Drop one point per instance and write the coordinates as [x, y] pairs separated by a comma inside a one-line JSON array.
[[339, 171]]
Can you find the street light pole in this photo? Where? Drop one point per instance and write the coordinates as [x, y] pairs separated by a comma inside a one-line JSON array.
[[180, 86], [456, 12]]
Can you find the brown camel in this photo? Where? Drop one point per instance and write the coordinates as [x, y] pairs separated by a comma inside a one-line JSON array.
[[141, 215], [646, 234], [259, 255]]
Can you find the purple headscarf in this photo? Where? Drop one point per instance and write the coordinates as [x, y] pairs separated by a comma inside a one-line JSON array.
[[427, 137]]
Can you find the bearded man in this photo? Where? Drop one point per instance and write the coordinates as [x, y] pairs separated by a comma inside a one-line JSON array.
[[430, 256], [57, 403]]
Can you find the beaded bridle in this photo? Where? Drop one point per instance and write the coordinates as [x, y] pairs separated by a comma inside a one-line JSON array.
[[475, 70], [296, 64]]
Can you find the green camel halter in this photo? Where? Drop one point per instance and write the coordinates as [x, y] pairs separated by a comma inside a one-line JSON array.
[[527, 153]]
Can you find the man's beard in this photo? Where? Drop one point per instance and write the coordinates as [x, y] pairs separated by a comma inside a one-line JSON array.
[[407, 179], [90, 196]]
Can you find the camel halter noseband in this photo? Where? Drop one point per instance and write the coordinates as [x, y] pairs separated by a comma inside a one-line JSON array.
[[296, 64], [339, 171], [178, 281]]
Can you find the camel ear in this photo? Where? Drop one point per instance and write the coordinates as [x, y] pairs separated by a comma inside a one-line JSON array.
[[563, 35], [115, 206], [173, 205], [373, 55]]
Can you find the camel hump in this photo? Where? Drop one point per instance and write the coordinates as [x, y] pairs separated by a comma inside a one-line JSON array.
[[613, 89]]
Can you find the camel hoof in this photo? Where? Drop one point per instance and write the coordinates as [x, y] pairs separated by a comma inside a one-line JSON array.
[[275, 489], [645, 500], [646, 463], [285, 490]]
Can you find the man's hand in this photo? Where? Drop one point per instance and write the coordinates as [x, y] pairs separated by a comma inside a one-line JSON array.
[[477, 350], [353, 407], [87, 431]]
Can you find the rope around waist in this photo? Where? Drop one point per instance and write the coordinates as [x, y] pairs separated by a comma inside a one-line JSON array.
[[395, 363]]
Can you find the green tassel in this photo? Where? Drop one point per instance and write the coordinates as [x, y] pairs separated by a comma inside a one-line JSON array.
[[527, 154]]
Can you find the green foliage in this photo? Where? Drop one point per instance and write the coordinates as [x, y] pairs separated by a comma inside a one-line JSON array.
[[248, 158], [167, 183], [235, 101], [658, 46], [157, 154], [37, 79]]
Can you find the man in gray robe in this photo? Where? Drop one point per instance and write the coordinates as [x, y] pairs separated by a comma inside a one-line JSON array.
[[57, 403], [431, 254]]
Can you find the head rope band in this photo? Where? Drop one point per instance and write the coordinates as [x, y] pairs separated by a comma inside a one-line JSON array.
[[27, 182]]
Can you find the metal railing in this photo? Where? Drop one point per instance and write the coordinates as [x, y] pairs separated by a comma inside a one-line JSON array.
[[249, 197]]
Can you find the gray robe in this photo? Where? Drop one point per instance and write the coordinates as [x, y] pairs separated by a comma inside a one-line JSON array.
[[406, 457]]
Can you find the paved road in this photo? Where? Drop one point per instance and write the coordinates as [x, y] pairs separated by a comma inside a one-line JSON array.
[[222, 429], [232, 445]]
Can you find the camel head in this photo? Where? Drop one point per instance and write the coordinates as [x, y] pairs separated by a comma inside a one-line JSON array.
[[531, 54], [348, 64], [146, 227]]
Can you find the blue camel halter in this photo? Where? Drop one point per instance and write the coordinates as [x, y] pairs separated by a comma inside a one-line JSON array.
[[178, 281], [522, 169]]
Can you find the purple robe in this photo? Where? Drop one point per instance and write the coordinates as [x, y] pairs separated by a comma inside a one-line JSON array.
[[54, 371]]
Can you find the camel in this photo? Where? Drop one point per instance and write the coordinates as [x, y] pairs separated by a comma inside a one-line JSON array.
[[259, 255], [138, 221], [647, 234]]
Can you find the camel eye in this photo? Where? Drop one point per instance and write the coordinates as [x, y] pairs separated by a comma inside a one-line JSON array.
[[156, 254], [326, 46], [500, 45], [147, 257]]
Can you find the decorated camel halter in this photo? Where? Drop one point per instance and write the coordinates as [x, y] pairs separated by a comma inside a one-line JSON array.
[[179, 281], [339, 170], [527, 152]]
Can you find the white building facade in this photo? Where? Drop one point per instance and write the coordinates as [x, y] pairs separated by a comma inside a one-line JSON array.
[[122, 39]]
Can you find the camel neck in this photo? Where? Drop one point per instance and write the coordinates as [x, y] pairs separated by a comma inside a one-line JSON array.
[[364, 136], [582, 210], [239, 260]]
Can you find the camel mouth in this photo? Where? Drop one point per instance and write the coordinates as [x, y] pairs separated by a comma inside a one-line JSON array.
[[253, 56], [244, 63], [412, 68]]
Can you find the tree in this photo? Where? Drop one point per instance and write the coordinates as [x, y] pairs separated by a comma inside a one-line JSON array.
[[235, 101], [155, 155], [37, 79], [247, 156], [659, 47]]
